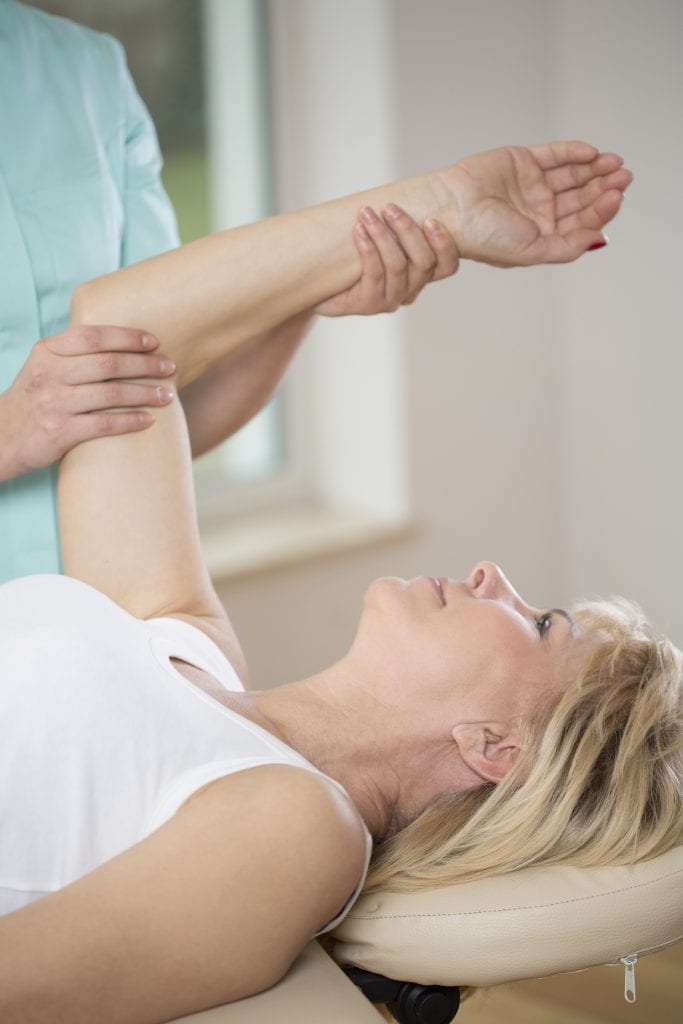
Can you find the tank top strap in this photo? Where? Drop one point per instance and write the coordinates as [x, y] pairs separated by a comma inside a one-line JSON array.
[[174, 638]]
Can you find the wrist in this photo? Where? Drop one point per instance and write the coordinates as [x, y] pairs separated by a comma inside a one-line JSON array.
[[448, 187]]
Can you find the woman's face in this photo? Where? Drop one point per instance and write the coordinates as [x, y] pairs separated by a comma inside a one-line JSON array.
[[472, 648]]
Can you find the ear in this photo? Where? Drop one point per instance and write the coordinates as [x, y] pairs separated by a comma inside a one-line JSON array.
[[488, 749]]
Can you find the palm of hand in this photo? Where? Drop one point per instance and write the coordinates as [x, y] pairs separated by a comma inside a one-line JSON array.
[[508, 205], [518, 206]]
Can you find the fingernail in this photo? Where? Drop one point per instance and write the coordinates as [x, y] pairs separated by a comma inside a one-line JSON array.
[[368, 215], [433, 227], [362, 233], [166, 366], [148, 341], [596, 245], [393, 211], [164, 394]]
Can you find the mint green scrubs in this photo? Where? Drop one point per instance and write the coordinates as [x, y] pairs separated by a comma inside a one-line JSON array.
[[80, 195]]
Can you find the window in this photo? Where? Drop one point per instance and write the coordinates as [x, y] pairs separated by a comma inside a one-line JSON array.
[[238, 126], [201, 69], [333, 133]]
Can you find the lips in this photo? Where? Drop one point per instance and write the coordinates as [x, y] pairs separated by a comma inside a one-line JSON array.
[[438, 585]]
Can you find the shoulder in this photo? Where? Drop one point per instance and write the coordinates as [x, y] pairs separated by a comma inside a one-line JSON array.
[[215, 905], [302, 835], [295, 844], [54, 32], [285, 804], [84, 70]]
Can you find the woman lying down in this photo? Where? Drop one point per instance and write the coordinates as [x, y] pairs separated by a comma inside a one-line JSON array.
[[172, 840]]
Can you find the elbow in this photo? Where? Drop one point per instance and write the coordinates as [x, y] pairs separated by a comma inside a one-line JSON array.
[[81, 302], [100, 301]]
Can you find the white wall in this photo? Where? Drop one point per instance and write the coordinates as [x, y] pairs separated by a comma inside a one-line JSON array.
[[544, 404], [621, 329]]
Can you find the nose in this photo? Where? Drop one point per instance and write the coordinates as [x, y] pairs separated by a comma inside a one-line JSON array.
[[489, 581]]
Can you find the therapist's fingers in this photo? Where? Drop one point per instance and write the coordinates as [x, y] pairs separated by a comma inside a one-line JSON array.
[[71, 385], [88, 426], [380, 289], [86, 369], [395, 260], [431, 251], [81, 340], [422, 259], [113, 394], [447, 255]]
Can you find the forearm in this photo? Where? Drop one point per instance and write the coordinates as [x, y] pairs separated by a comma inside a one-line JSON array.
[[206, 299], [226, 397]]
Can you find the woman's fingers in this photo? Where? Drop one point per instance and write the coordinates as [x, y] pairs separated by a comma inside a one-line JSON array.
[[576, 200], [554, 155], [574, 175], [595, 216]]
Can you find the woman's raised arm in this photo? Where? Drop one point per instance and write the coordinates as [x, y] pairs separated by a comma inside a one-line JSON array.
[[139, 543], [512, 207], [126, 503]]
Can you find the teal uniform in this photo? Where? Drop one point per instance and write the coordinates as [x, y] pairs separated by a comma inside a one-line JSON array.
[[80, 196]]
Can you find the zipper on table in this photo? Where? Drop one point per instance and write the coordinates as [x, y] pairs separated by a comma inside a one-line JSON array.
[[629, 963]]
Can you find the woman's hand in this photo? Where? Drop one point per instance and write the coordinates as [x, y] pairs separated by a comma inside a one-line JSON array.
[[398, 258], [519, 206], [67, 390]]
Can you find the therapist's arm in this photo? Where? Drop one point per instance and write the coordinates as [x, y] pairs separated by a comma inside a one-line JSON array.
[[511, 207]]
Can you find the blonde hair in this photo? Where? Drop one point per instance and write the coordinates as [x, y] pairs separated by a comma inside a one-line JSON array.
[[600, 780]]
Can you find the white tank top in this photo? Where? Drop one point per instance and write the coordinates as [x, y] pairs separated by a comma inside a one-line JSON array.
[[101, 739]]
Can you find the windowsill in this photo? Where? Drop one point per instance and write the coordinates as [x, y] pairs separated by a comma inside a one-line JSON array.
[[292, 535]]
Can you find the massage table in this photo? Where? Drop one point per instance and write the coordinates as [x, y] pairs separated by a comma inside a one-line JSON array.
[[527, 924]]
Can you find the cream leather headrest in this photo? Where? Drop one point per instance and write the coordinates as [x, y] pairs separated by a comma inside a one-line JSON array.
[[528, 924]]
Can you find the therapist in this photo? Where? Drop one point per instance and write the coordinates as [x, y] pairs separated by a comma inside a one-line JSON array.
[[80, 196]]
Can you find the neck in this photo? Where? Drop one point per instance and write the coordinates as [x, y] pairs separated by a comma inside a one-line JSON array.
[[391, 763], [331, 732]]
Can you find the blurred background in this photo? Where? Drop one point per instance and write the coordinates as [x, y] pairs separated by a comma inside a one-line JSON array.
[[531, 417]]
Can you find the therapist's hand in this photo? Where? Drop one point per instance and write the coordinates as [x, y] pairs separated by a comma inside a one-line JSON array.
[[396, 262], [518, 206], [398, 258], [74, 387]]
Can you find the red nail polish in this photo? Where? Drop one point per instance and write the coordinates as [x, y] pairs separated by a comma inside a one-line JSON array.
[[596, 245]]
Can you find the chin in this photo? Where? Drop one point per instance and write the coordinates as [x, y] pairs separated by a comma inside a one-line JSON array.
[[385, 586]]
